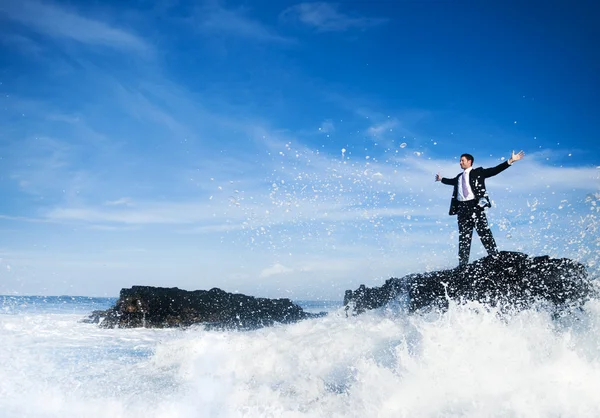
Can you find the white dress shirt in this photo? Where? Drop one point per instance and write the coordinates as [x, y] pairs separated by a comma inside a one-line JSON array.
[[470, 196]]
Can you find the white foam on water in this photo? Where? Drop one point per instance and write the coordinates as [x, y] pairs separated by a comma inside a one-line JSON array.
[[467, 362]]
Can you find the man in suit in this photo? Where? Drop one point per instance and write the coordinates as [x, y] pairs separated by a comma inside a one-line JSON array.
[[469, 200]]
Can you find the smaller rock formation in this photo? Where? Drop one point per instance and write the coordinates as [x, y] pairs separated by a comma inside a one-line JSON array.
[[507, 279], [159, 307]]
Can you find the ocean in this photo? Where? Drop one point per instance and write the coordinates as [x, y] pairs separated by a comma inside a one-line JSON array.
[[470, 361]]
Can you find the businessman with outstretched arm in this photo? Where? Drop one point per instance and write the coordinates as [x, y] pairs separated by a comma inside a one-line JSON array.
[[469, 200]]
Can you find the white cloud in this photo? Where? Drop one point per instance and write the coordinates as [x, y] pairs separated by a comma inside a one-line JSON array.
[[216, 18], [325, 17], [151, 213], [327, 127], [119, 228], [313, 192], [381, 129], [24, 219], [55, 21], [275, 270], [124, 201]]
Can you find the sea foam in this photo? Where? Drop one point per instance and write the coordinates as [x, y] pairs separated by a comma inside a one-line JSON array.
[[469, 361]]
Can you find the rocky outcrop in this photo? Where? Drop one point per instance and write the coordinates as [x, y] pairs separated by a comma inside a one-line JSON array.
[[159, 307], [508, 279]]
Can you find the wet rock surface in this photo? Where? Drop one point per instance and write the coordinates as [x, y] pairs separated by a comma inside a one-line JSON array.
[[159, 307], [507, 279]]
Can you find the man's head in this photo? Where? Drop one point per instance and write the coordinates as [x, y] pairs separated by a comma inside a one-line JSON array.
[[466, 161]]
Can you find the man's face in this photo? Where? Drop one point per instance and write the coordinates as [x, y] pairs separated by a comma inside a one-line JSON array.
[[464, 163]]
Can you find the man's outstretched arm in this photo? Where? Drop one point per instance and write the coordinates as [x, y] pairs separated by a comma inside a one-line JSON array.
[[444, 179], [490, 172]]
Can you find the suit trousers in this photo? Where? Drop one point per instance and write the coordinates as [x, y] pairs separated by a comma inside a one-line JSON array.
[[470, 216]]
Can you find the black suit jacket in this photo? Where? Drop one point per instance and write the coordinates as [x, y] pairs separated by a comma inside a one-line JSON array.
[[476, 181]]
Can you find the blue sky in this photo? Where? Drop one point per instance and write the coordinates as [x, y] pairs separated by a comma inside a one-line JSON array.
[[286, 149]]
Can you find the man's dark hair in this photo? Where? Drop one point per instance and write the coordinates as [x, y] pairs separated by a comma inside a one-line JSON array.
[[469, 157]]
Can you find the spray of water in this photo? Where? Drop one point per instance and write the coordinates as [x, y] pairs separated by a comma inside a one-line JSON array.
[[470, 361]]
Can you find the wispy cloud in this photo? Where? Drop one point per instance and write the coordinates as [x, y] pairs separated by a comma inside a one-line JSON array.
[[24, 219], [124, 201], [325, 17], [316, 191], [216, 18], [327, 127], [380, 130], [45, 164], [275, 270], [21, 43], [59, 22]]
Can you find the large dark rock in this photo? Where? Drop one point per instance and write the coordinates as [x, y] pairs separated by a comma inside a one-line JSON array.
[[159, 307], [509, 279]]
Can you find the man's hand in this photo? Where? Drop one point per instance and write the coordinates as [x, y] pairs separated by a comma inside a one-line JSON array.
[[516, 157], [438, 177]]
